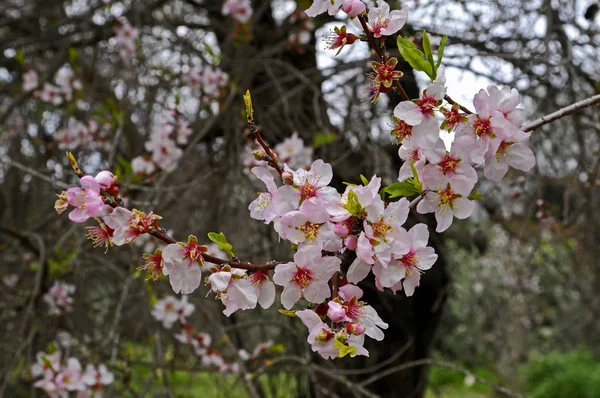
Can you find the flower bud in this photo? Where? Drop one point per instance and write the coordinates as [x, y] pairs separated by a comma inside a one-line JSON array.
[[341, 230], [287, 177], [105, 179], [351, 242], [324, 335], [336, 311], [341, 336], [355, 328], [354, 8], [258, 155], [113, 190]]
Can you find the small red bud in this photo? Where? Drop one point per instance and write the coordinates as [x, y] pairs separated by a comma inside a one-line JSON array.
[[113, 190]]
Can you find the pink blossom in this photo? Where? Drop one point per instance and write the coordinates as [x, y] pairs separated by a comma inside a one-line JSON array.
[[50, 93], [418, 156], [97, 378], [30, 80], [307, 184], [262, 208], [66, 81], [354, 7], [382, 22], [128, 225], [447, 200], [183, 265], [86, 200], [509, 153], [234, 289], [411, 257], [59, 298], [70, 378], [293, 152], [336, 311], [357, 312], [320, 6], [265, 289], [321, 338], [46, 364], [141, 165], [165, 152], [105, 179], [74, 135], [453, 165], [309, 226], [166, 311], [213, 80], [183, 132], [364, 194], [240, 10], [307, 276]]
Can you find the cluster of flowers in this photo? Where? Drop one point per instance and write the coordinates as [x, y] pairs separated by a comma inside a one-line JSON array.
[[77, 134], [59, 298], [240, 10], [210, 81], [490, 138], [170, 310], [163, 144], [290, 151], [65, 84], [125, 40], [327, 226], [60, 377]]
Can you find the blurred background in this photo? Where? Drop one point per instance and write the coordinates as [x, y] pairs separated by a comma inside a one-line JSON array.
[[512, 300]]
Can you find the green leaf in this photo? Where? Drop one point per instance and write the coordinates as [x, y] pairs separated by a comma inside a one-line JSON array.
[[415, 57], [440, 52], [353, 205], [364, 180], [429, 54], [344, 349], [221, 241], [402, 189], [287, 312], [415, 179], [276, 349], [73, 55], [248, 104], [321, 139], [475, 195]]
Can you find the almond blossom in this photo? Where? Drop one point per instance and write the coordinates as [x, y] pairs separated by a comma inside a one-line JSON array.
[[262, 208], [308, 276], [96, 378], [452, 164], [320, 6], [59, 298], [142, 165], [86, 200], [234, 289], [50, 93], [364, 196], [320, 337], [309, 226], [265, 289], [354, 7], [240, 10], [357, 312], [170, 310], [411, 257], [292, 152], [30, 80], [70, 377], [510, 153], [447, 200], [183, 265], [382, 22], [128, 225], [417, 156], [46, 364]]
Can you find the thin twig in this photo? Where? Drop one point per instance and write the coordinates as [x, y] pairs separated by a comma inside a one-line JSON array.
[[445, 364], [577, 106]]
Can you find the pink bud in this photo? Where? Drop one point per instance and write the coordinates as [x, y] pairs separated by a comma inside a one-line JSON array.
[[287, 177], [341, 230], [105, 179], [351, 242], [355, 328], [354, 8], [336, 312]]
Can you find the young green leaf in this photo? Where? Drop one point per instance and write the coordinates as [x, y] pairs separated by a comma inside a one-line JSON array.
[[415, 179], [364, 180], [221, 241], [440, 52], [401, 189], [353, 205], [429, 54], [414, 56], [475, 195]]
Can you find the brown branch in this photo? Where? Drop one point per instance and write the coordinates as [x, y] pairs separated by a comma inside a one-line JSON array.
[[462, 108], [577, 106]]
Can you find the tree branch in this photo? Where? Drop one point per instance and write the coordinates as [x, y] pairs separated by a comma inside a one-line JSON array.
[[577, 106]]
